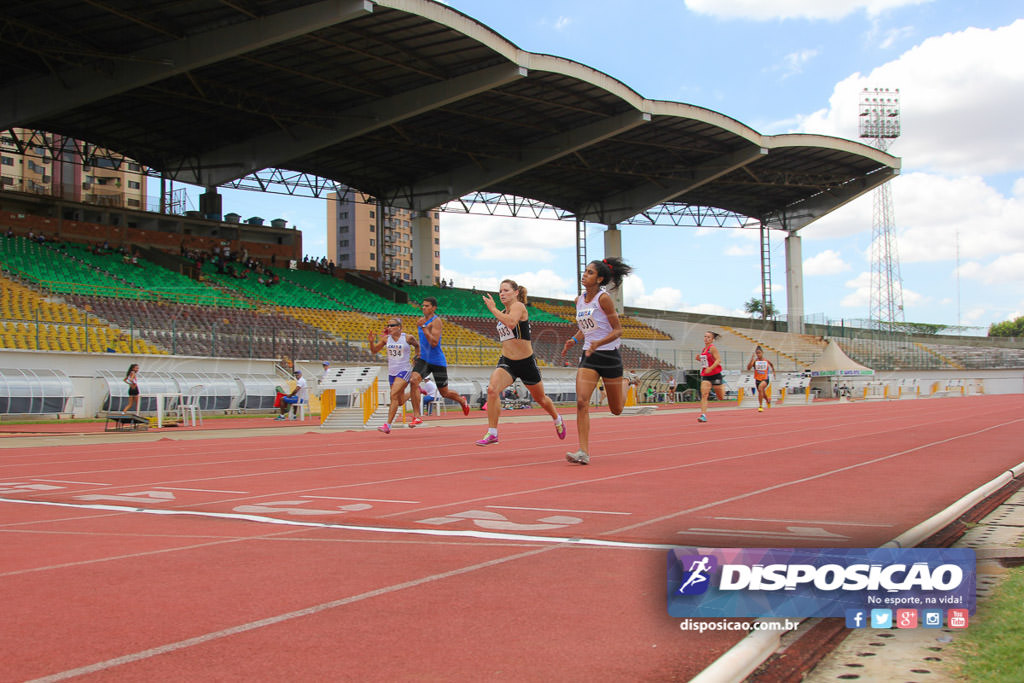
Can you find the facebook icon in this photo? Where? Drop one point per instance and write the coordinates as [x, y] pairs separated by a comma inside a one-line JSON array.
[[856, 618]]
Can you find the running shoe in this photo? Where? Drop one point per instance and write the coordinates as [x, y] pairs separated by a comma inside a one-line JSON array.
[[487, 440], [702, 418], [760, 409], [416, 421], [579, 457], [384, 428], [560, 429], [465, 408], [280, 417]]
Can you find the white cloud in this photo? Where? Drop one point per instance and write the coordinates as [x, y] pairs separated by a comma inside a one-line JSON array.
[[544, 282], [1004, 269], [740, 250], [828, 262], [860, 297], [767, 10], [562, 22], [959, 98], [504, 239], [793, 63]]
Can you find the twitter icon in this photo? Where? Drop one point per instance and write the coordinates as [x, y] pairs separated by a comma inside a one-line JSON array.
[[881, 618]]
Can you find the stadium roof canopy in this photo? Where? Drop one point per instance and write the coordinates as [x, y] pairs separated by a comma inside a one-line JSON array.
[[407, 100]]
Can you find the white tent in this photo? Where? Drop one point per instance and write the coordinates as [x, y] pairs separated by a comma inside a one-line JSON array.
[[835, 363]]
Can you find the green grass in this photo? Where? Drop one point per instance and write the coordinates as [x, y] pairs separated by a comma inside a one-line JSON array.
[[991, 647]]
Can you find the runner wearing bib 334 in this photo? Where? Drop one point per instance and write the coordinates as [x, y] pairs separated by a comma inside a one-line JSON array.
[[761, 365], [401, 349], [710, 374]]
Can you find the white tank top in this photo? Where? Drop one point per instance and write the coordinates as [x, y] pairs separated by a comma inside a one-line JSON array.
[[399, 358], [593, 321]]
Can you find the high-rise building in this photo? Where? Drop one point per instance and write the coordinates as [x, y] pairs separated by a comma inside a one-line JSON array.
[[44, 163], [364, 235]]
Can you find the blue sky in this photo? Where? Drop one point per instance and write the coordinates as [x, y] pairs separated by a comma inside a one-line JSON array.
[[784, 66]]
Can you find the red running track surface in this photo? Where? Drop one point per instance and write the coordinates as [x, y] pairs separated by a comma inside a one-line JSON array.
[[362, 556]]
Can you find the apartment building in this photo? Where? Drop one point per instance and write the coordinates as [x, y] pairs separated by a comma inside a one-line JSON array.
[[363, 235], [43, 163]]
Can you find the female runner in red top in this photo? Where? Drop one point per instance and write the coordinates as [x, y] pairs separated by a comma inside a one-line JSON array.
[[710, 373]]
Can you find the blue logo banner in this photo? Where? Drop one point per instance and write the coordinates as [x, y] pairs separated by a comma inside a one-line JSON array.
[[818, 582]]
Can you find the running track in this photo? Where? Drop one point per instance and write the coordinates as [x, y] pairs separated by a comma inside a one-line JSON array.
[[359, 556]]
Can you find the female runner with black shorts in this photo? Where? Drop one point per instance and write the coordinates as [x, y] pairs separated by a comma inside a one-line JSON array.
[[601, 359]]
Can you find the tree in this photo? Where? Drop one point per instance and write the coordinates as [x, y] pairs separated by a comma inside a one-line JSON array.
[[756, 307], [1007, 328]]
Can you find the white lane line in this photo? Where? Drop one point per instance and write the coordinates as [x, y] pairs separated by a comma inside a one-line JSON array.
[[59, 481], [800, 521], [271, 621], [591, 512], [171, 488], [491, 535], [365, 500]]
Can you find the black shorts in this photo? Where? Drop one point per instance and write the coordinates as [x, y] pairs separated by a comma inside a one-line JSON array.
[[525, 369], [133, 391], [607, 364], [757, 382], [440, 372], [715, 379]]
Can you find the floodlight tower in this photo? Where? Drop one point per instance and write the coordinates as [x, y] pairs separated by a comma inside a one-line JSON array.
[[880, 123]]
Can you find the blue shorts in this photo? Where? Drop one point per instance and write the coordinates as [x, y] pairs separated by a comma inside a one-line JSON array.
[[289, 399], [403, 375]]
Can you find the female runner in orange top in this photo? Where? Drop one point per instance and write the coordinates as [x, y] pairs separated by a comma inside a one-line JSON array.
[[760, 364]]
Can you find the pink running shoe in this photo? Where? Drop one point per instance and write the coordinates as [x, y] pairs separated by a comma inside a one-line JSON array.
[[487, 440], [384, 428], [416, 421], [465, 410], [560, 430]]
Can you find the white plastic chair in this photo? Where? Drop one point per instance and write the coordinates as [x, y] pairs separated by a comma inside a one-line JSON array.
[[188, 406]]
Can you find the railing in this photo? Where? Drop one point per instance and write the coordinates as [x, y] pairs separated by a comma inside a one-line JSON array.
[[370, 401]]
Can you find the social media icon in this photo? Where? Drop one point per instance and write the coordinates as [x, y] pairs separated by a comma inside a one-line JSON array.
[[956, 618], [856, 618], [906, 618], [931, 618], [881, 618]]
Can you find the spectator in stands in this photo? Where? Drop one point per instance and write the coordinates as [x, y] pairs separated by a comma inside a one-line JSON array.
[[432, 361], [760, 365], [516, 361], [710, 373], [10, 232], [601, 358], [401, 348], [131, 378], [299, 394]]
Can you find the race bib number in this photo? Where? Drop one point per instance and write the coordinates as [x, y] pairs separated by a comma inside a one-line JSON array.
[[504, 334], [585, 319], [704, 361], [760, 366]]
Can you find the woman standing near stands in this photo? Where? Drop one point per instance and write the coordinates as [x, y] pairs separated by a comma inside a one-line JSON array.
[[760, 364], [710, 373], [131, 378], [601, 359], [517, 360]]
